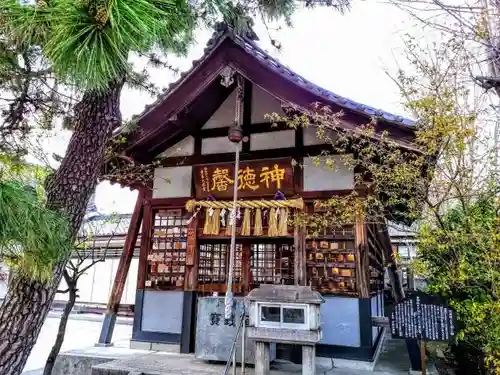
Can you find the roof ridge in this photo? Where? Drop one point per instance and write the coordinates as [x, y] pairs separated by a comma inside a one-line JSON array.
[[341, 100], [223, 31]]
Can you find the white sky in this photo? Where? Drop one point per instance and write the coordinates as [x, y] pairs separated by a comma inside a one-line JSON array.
[[347, 54]]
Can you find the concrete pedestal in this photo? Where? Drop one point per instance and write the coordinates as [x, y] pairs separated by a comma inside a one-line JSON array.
[[262, 363], [308, 360]]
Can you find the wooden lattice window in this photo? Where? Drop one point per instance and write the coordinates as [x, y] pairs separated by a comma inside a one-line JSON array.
[[213, 266], [167, 254], [271, 263]]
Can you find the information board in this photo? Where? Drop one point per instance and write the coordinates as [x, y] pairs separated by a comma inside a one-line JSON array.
[[424, 317]]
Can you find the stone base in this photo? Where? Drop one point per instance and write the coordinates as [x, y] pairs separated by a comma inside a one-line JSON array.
[[99, 345], [80, 362], [351, 364], [123, 361], [155, 346], [431, 370]]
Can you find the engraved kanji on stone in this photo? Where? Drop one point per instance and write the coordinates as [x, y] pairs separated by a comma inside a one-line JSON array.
[[229, 322], [215, 319]]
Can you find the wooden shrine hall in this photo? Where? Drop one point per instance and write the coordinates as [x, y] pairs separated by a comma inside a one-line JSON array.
[[185, 212]]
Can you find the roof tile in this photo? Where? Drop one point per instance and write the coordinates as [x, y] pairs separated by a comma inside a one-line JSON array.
[[222, 32]]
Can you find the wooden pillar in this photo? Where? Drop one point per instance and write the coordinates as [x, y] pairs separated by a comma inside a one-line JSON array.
[[300, 256], [191, 258], [362, 258], [297, 255], [147, 224], [122, 272]]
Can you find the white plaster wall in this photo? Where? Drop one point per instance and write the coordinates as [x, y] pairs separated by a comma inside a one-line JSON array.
[[172, 182], [270, 140], [182, 148], [217, 145], [102, 283], [224, 116], [131, 283], [321, 178], [86, 284], [96, 284], [263, 103]]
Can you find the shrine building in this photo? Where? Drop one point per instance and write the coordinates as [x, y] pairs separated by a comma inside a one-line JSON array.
[[184, 216]]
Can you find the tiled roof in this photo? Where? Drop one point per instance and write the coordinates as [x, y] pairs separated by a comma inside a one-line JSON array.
[[222, 32], [105, 225]]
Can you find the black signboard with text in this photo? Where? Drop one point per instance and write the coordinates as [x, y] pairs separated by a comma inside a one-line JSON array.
[[423, 317]]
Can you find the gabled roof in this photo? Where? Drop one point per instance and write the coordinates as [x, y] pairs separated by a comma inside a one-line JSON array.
[[225, 47], [252, 48]]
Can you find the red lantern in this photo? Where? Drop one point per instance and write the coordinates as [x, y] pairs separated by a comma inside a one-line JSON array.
[[235, 133]]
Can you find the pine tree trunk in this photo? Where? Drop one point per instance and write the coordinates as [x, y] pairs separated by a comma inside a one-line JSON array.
[[28, 302], [51, 359]]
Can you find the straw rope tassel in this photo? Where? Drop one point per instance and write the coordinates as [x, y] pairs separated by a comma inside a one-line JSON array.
[[283, 223], [246, 229], [272, 230], [207, 228], [229, 223], [257, 226], [216, 222]]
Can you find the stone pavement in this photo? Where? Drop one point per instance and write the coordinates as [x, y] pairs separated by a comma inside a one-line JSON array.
[[181, 364], [393, 360]]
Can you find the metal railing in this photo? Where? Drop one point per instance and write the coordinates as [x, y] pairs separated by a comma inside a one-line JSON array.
[[232, 354]]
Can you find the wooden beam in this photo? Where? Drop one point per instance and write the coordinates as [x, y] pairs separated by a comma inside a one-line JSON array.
[[380, 321], [245, 156], [147, 223], [362, 258], [191, 122], [181, 96], [122, 272], [169, 202], [296, 94], [261, 127]]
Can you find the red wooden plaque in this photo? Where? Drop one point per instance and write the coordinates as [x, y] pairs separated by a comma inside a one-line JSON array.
[[191, 246], [255, 179]]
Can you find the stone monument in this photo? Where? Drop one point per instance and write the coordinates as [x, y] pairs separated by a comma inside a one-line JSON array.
[[284, 314]]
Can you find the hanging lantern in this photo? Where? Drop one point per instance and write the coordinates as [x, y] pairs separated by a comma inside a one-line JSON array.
[[235, 133]]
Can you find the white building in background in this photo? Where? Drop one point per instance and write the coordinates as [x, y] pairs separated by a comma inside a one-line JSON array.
[[404, 244], [4, 275], [104, 238]]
